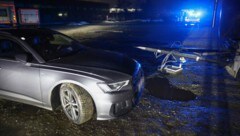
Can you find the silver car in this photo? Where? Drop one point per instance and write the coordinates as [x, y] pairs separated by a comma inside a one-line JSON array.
[[47, 69]]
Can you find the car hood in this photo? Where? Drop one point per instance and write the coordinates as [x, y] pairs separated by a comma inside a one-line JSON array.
[[99, 59]]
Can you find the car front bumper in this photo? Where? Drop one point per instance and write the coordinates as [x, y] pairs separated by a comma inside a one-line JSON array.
[[114, 105]]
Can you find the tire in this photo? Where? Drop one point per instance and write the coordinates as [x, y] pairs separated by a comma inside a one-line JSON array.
[[77, 104]]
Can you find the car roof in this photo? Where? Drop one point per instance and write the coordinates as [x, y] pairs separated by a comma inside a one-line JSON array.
[[5, 33], [23, 31]]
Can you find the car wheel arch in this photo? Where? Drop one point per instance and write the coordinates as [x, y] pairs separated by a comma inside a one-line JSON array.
[[55, 96]]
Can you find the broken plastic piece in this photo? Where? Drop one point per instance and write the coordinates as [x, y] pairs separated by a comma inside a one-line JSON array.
[[170, 69], [197, 58], [183, 60]]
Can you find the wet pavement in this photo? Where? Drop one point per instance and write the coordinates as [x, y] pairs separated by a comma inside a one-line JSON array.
[[202, 100]]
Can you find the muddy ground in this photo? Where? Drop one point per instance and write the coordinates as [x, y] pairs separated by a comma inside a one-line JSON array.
[[202, 100]]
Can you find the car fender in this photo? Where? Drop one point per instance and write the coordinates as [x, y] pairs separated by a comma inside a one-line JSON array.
[[68, 81]]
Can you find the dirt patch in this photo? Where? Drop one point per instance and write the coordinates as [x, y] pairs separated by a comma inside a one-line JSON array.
[[161, 88]]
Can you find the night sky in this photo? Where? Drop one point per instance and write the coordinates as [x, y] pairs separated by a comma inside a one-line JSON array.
[[170, 3], [111, 2], [114, 3]]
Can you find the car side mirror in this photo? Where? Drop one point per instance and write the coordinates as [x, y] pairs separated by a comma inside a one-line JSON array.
[[22, 57]]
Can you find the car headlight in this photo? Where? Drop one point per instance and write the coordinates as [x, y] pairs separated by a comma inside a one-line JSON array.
[[113, 87]]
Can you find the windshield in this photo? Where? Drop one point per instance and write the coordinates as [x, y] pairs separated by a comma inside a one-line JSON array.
[[52, 45]]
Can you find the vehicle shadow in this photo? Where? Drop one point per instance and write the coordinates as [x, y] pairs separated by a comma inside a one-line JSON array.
[[161, 88]]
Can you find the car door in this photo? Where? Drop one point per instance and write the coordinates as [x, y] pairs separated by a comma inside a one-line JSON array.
[[18, 80]]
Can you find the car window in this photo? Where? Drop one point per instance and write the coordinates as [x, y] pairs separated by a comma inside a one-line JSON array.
[[8, 49], [60, 40], [51, 45]]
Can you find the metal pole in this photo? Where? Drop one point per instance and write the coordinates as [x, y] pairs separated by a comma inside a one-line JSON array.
[[220, 18], [179, 54], [214, 13]]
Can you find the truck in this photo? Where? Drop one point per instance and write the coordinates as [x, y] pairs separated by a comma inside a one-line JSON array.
[[7, 13], [189, 17], [28, 16]]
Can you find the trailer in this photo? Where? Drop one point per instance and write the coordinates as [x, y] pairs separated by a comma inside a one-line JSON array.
[[7, 13], [28, 16]]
